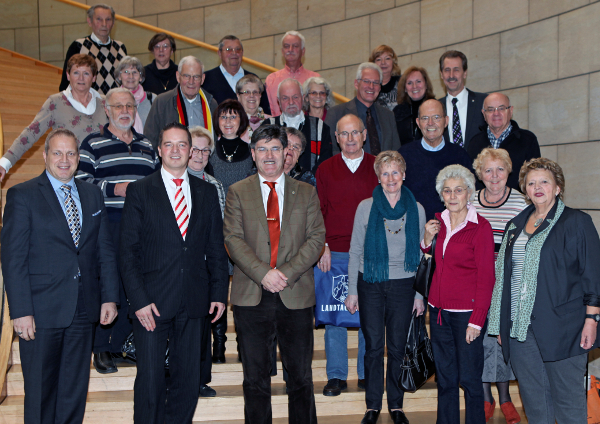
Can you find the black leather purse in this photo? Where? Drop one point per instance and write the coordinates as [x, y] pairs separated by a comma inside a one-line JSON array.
[[425, 272], [418, 364]]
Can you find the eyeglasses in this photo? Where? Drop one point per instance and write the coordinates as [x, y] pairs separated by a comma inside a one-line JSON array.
[[264, 150], [500, 109], [318, 93], [197, 151], [249, 93], [238, 50], [133, 72], [457, 191], [345, 134], [226, 118], [370, 82], [162, 46], [120, 108], [295, 147], [434, 118], [186, 77]]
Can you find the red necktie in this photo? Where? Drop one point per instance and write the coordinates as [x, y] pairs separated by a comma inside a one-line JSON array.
[[273, 221], [181, 212]]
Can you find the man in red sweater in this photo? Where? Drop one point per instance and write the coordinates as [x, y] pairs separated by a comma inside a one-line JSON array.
[[343, 181]]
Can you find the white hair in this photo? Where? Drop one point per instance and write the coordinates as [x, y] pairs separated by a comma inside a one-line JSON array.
[[455, 172], [287, 80], [369, 65], [295, 34], [189, 59], [329, 102], [116, 90]]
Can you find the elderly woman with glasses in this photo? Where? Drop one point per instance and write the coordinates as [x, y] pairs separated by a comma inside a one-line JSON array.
[[460, 295], [161, 73], [130, 74], [318, 97], [249, 91]]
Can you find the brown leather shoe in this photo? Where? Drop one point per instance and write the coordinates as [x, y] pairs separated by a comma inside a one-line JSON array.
[[510, 413], [489, 410]]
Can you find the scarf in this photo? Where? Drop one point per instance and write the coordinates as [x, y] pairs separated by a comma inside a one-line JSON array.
[[292, 121], [531, 264], [181, 111], [140, 96], [376, 255]]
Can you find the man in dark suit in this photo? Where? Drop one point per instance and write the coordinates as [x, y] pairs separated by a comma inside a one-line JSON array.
[[462, 105], [221, 81], [377, 119], [174, 268], [59, 268], [274, 233]]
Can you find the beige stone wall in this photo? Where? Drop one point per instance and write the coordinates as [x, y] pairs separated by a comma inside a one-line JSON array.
[[545, 54]]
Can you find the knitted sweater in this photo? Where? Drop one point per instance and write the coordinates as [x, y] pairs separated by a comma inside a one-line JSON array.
[[340, 191], [422, 167]]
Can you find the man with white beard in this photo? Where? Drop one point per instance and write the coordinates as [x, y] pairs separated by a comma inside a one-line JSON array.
[[317, 133], [112, 158]]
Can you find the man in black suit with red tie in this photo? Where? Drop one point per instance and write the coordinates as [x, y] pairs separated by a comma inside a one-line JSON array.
[[174, 269], [59, 267]]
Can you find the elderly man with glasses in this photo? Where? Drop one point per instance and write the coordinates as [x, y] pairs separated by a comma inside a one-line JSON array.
[[378, 120], [187, 103], [111, 159]]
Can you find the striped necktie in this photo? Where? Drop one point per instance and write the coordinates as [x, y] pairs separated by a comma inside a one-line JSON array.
[[457, 137], [72, 214], [181, 211]]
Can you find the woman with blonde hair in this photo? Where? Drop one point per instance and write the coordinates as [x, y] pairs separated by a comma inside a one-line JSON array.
[[386, 58]]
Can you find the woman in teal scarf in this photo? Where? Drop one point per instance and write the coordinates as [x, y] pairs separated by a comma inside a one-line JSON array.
[[546, 302], [384, 256]]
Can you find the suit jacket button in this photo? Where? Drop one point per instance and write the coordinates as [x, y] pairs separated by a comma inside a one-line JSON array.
[[532, 317], [184, 249]]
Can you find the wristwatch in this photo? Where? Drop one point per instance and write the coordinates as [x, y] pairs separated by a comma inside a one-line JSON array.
[[595, 317]]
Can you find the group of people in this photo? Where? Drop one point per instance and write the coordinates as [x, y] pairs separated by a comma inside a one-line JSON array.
[[203, 178]]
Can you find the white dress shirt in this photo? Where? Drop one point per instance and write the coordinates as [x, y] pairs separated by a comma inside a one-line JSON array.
[[265, 190], [171, 188], [461, 104], [292, 121], [232, 79], [97, 40], [353, 164]]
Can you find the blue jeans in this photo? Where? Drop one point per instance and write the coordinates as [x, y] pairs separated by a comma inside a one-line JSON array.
[[336, 345]]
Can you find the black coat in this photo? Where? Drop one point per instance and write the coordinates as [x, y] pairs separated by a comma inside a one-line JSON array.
[[474, 116], [521, 145], [568, 280], [216, 84], [408, 130], [159, 81]]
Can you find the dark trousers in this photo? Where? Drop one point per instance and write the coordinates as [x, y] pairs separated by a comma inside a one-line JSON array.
[[385, 313], [110, 338], [457, 363], [205, 356], [257, 328], [56, 370], [151, 403]]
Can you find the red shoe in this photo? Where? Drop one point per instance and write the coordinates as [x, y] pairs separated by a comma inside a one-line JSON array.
[[510, 413], [489, 410]]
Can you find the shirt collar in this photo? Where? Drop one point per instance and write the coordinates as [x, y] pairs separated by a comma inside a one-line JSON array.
[[79, 107], [503, 136], [56, 184], [97, 40], [300, 70], [279, 181], [463, 96], [362, 155], [427, 147], [294, 121], [471, 214], [239, 73], [168, 176]]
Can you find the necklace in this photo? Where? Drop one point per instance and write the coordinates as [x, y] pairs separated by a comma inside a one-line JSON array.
[[229, 158], [388, 228], [538, 222], [165, 84], [499, 200]]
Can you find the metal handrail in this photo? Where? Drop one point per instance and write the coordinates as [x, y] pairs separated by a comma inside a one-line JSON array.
[[188, 40]]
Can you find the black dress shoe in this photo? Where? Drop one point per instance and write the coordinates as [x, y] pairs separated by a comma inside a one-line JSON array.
[[362, 384], [370, 417], [207, 391], [218, 358], [398, 417], [104, 364], [334, 387]]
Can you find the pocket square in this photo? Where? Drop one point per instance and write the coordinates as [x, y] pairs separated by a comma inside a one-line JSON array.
[[97, 213]]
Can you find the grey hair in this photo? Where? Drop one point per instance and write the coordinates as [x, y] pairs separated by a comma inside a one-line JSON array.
[[295, 34], [248, 79], [329, 102], [198, 131], [286, 80], [368, 65], [91, 10], [230, 38], [293, 131], [456, 172], [129, 62], [188, 59], [113, 91], [56, 133]]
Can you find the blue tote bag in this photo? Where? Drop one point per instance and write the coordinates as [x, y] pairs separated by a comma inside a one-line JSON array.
[[331, 289]]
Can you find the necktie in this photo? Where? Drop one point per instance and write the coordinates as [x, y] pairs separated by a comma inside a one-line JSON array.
[[181, 212], [373, 136], [456, 132], [273, 222], [72, 214]]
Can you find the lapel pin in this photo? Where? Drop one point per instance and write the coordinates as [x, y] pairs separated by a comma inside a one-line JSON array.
[[293, 192]]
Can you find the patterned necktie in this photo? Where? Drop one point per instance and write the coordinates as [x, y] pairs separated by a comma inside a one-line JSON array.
[[372, 133], [181, 211], [273, 221], [456, 132], [72, 214]]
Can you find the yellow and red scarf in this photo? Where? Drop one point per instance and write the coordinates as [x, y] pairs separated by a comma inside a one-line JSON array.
[[183, 119]]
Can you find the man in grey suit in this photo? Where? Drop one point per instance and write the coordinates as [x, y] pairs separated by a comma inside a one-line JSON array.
[[378, 120], [59, 268], [463, 106]]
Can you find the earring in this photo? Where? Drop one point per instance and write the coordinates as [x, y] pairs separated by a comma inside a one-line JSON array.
[[379, 181], [403, 178]]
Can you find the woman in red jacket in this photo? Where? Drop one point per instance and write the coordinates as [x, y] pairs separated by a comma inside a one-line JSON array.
[[460, 295]]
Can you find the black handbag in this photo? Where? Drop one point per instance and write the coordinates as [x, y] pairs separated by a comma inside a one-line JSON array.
[[418, 364], [425, 272]]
